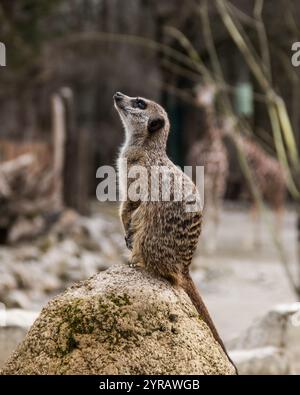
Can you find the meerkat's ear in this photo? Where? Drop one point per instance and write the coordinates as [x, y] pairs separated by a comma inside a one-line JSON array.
[[155, 124]]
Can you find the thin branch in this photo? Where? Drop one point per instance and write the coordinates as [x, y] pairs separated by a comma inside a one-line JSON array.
[[143, 42], [191, 51], [241, 42], [241, 15], [180, 70], [263, 39], [209, 40], [238, 38]]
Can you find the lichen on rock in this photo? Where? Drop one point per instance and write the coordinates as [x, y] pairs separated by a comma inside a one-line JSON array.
[[121, 321]]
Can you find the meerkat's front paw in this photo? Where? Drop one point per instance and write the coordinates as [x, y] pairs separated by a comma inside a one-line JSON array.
[[134, 263]]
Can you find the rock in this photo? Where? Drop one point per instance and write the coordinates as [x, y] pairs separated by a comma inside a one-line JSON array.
[[30, 274], [7, 283], [273, 342], [261, 361], [17, 298], [25, 228], [26, 253], [269, 330], [68, 262], [292, 340], [70, 248], [66, 221], [121, 321], [14, 324]]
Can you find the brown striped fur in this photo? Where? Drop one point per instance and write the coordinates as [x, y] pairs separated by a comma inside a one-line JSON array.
[[161, 235]]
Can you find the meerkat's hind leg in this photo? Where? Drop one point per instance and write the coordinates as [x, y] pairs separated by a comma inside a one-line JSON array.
[[215, 218], [257, 228], [279, 216], [254, 237], [129, 239], [211, 227]]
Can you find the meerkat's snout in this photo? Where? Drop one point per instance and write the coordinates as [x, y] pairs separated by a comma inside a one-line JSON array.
[[118, 97]]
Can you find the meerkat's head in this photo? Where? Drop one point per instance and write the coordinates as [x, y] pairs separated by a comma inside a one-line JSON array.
[[146, 123]]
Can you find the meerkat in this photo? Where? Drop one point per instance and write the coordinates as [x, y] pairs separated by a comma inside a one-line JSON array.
[[268, 175], [161, 235], [210, 152]]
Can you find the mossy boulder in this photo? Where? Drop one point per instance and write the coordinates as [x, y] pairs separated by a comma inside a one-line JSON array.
[[121, 321]]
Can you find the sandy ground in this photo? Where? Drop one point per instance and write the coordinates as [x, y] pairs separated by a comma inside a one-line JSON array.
[[240, 282]]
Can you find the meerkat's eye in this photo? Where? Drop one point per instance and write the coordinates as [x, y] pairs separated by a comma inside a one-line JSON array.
[[139, 103]]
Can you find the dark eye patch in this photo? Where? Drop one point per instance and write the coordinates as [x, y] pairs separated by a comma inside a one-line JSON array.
[[139, 103]]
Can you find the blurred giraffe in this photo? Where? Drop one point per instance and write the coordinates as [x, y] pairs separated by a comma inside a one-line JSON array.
[[267, 175], [211, 153]]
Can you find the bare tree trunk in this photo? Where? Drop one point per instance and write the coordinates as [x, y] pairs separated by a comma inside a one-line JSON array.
[[76, 186], [71, 151], [84, 159], [59, 135]]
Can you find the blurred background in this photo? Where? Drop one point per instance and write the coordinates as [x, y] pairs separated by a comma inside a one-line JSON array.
[[223, 70]]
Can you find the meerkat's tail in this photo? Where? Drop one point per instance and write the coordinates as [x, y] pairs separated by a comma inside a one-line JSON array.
[[189, 286]]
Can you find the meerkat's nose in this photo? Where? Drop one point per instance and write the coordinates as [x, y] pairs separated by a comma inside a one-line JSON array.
[[118, 96]]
